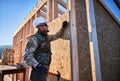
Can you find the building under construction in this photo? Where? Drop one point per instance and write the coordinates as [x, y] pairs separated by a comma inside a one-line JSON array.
[[89, 50]]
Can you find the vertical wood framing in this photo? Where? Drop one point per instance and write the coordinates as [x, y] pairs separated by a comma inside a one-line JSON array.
[[54, 9], [68, 5], [38, 13], [73, 44], [28, 27], [49, 10], [31, 26], [94, 53], [23, 37]]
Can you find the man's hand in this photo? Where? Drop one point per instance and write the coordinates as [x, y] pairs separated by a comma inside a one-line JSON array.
[[41, 69], [64, 24]]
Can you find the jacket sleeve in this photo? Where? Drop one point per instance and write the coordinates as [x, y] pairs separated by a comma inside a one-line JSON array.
[[29, 52], [57, 35]]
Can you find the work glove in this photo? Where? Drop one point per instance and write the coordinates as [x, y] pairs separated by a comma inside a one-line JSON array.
[[64, 24], [41, 69]]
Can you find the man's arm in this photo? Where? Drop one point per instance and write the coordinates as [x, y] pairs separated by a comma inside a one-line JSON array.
[[59, 33], [29, 52]]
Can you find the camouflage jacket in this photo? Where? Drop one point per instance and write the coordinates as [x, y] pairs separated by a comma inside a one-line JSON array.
[[33, 44]]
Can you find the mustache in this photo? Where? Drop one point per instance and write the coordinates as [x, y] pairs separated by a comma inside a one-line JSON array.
[[47, 31]]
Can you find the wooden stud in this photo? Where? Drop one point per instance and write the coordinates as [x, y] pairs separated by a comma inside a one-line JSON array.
[[49, 10], [68, 5], [35, 15], [74, 43], [54, 9], [93, 42], [38, 13]]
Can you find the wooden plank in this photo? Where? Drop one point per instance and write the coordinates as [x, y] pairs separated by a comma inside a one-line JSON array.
[[74, 43], [59, 10], [44, 9], [68, 5], [43, 14], [5, 70], [61, 2], [93, 42], [54, 9], [38, 13], [49, 10], [30, 26]]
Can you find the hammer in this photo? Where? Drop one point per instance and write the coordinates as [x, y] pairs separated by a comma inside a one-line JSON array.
[[58, 75]]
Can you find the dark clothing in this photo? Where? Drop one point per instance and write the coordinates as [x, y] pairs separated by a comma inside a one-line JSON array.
[[36, 76], [38, 51], [43, 52]]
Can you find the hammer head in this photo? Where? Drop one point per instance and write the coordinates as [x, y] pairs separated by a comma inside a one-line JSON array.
[[58, 76]]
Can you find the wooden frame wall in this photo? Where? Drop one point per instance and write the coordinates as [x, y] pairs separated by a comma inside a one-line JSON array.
[[26, 29]]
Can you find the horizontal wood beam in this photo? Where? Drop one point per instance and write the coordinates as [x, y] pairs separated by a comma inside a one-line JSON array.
[[61, 2], [60, 11], [44, 9], [43, 14]]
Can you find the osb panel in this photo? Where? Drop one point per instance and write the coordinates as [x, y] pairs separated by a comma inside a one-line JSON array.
[[60, 50], [109, 44], [83, 41], [108, 39]]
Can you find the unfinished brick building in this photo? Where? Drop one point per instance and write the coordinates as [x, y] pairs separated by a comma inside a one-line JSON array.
[[90, 47]]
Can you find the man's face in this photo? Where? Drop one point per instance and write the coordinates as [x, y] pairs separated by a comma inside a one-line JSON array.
[[43, 27]]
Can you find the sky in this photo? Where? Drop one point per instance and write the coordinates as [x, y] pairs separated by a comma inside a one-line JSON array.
[[113, 8], [12, 13]]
